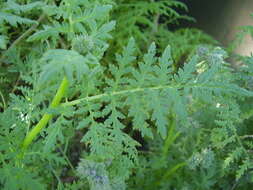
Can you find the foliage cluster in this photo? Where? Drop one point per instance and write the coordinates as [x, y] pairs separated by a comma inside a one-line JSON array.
[[93, 97]]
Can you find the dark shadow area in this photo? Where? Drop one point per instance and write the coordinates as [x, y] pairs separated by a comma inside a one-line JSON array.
[[208, 15]]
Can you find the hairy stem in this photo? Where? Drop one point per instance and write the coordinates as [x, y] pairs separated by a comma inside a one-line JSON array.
[[46, 117], [95, 97], [171, 137], [28, 32], [25, 34], [136, 90], [3, 100]]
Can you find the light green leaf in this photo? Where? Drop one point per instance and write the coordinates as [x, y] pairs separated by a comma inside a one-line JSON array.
[[65, 62]]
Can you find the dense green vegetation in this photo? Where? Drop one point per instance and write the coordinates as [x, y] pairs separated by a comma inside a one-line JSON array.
[[102, 95]]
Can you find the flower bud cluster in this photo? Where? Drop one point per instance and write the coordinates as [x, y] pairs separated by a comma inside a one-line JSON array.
[[95, 173]]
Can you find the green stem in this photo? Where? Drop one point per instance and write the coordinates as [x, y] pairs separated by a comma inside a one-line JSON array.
[[171, 137], [46, 117], [136, 90], [24, 35], [4, 104], [95, 97]]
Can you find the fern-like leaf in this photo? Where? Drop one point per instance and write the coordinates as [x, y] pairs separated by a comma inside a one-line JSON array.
[[64, 62]]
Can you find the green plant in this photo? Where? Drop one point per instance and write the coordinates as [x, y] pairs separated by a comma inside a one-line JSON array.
[[155, 21], [84, 115]]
